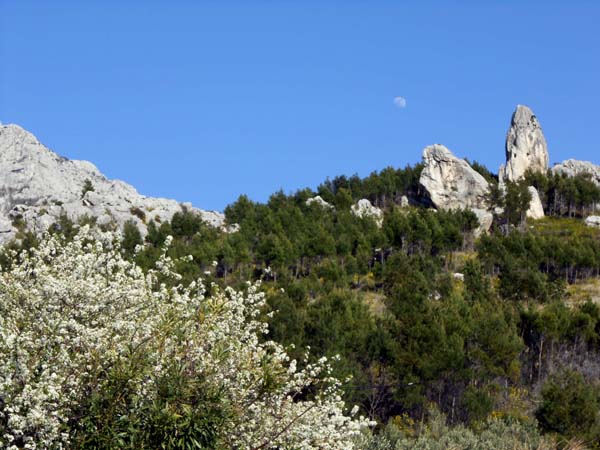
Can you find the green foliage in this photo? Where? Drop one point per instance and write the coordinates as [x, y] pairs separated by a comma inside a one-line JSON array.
[[64, 226], [131, 238], [388, 300], [516, 202], [478, 403], [477, 285], [435, 434], [184, 415], [570, 407], [565, 196], [87, 187], [485, 172], [138, 213], [529, 263], [383, 189]]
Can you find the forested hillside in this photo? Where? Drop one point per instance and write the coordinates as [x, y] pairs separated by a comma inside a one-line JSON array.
[[424, 314], [440, 296]]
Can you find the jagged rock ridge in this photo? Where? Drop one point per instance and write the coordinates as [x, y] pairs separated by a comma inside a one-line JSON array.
[[38, 186], [573, 167]]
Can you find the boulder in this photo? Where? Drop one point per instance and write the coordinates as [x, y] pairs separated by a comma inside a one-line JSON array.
[[458, 276], [39, 186], [364, 208], [526, 147], [536, 210], [404, 203], [593, 221], [450, 182], [486, 219]]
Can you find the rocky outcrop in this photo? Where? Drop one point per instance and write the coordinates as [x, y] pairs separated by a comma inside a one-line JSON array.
[[536, 209], [458, 276], [364, 208], [485, 218], [593, 221], [573, 167], [37, 186], [318, 200], [450, 182], [526, 147]]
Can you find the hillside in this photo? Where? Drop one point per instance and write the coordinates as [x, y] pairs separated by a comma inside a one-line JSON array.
[[453, 295]]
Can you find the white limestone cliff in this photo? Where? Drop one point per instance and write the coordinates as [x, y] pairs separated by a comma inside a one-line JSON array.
[[37, 186]]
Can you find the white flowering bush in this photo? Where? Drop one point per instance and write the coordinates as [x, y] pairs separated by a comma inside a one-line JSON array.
[[96, 354]]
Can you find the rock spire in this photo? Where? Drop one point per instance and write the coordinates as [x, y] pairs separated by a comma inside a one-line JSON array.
[[526, 147]]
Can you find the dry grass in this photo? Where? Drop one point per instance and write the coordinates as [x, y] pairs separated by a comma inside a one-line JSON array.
[[456, 260], [375, 302], [584, 291], [563, 227], [575, 445]]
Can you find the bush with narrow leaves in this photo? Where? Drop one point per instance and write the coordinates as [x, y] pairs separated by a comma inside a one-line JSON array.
[[95, 353]]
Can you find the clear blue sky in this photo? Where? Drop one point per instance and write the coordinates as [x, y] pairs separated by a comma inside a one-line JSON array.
[[203, 101]]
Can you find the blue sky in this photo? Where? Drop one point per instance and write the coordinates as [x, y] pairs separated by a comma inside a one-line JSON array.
[[203, 101]]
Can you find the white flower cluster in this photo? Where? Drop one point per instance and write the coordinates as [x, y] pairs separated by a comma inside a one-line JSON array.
[[69, 311]]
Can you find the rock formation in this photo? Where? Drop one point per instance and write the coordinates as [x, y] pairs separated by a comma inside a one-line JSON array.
[[485, 218], [525, 146], [593, 221], [318, 200], [526, 149], [37, 186], [451, 183], [364, 208], [458, 276], [573, 167], [536, 209]]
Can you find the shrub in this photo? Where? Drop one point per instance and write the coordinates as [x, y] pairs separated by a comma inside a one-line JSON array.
[[138, 212], [97, 354], [570, 406], [87, 187], [434, 434]]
